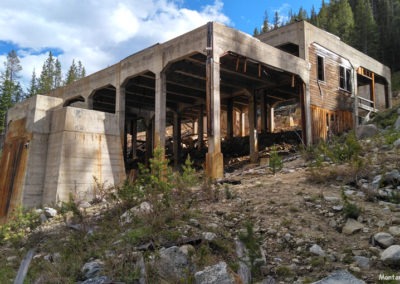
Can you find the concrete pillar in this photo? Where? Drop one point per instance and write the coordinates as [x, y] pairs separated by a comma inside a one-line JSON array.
[[263, 107], [229, 129], [200, 132], [253, 136], [242, 123], [125, 145], [214, 157], [271, 120], [307, 110], [355, 96], [149, 140], [133, 132], [120, 110], [160, 110], [177, 138]]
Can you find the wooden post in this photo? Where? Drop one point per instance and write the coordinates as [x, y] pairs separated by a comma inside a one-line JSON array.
[[120, 111], [200, 131], [263, 108], [134, 137]]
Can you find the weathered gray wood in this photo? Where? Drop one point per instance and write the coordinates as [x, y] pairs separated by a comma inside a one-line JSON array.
[[23, 268]]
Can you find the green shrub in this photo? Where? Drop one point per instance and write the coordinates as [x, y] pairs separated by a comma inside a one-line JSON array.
[[275, 161], [18, 225]]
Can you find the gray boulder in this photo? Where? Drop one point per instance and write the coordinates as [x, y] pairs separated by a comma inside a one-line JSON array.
[[50, 212], [397, 124], [351, 227], [340, 276], [92, 269], [362, 261], [214, 274], [97, 280], [391, 255], [173, 264], [394, 231], [366, 131], [383, 239], [396, 143], [317, 250], [244, 270]]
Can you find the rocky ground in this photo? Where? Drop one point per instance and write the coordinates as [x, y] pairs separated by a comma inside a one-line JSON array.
[[305, 224]]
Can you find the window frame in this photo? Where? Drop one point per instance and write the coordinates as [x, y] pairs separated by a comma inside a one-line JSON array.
[[345, 79], [320, 68]]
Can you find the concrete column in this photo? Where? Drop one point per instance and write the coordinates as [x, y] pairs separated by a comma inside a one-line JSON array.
[[149, 140], [177, 138], [242, 123], [307, 110], [120, 110], [271, 120], [200, 132], [263, 107], [125, 145], [214, 157], [253, 136], [160, 110], [229, 130], [133, 132], [355, 97]]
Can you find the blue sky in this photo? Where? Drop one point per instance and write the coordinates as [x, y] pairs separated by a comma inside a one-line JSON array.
[[101, 33]]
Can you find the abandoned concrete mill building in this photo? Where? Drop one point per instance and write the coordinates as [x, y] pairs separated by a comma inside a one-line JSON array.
[[226, 83]]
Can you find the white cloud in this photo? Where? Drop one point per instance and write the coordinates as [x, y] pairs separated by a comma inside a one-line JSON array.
[[98, 33]]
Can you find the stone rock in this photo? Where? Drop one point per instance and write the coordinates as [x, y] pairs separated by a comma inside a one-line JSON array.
[[332, 199], [244, 270], [208, 236], [173, 263], [340, 276], [397, 124], [376, 182], [97, 280], [383, 239], [316, 249], [351, 227], [366, 131], [50, 212], [396, 143], [337, 208], [92, 269], [391, 255], [362, 261], [84, 204], [43, 218], [269, 280], [142, 209], [394, 231], [392, 177], [217, 273]]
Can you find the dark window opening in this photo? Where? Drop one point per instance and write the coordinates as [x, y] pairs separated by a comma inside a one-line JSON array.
[[321, 69], [345, 79]]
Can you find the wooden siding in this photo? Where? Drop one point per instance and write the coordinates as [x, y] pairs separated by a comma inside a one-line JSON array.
[[326, 123], [327, 94]]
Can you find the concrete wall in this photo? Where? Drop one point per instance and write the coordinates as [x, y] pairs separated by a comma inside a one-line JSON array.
[[83, 144]]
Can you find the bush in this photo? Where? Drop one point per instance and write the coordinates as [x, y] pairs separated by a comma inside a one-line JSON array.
[[275, 161], [18, 225]]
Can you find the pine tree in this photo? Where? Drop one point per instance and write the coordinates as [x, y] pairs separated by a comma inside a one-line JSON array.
[[313, 17], [323, 16], [46, 80], [265, 27], [365, 35], [57, 81], [10, 89], [72, 73], [33, 86], [276, 20], [341, 19], [256, 32]]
